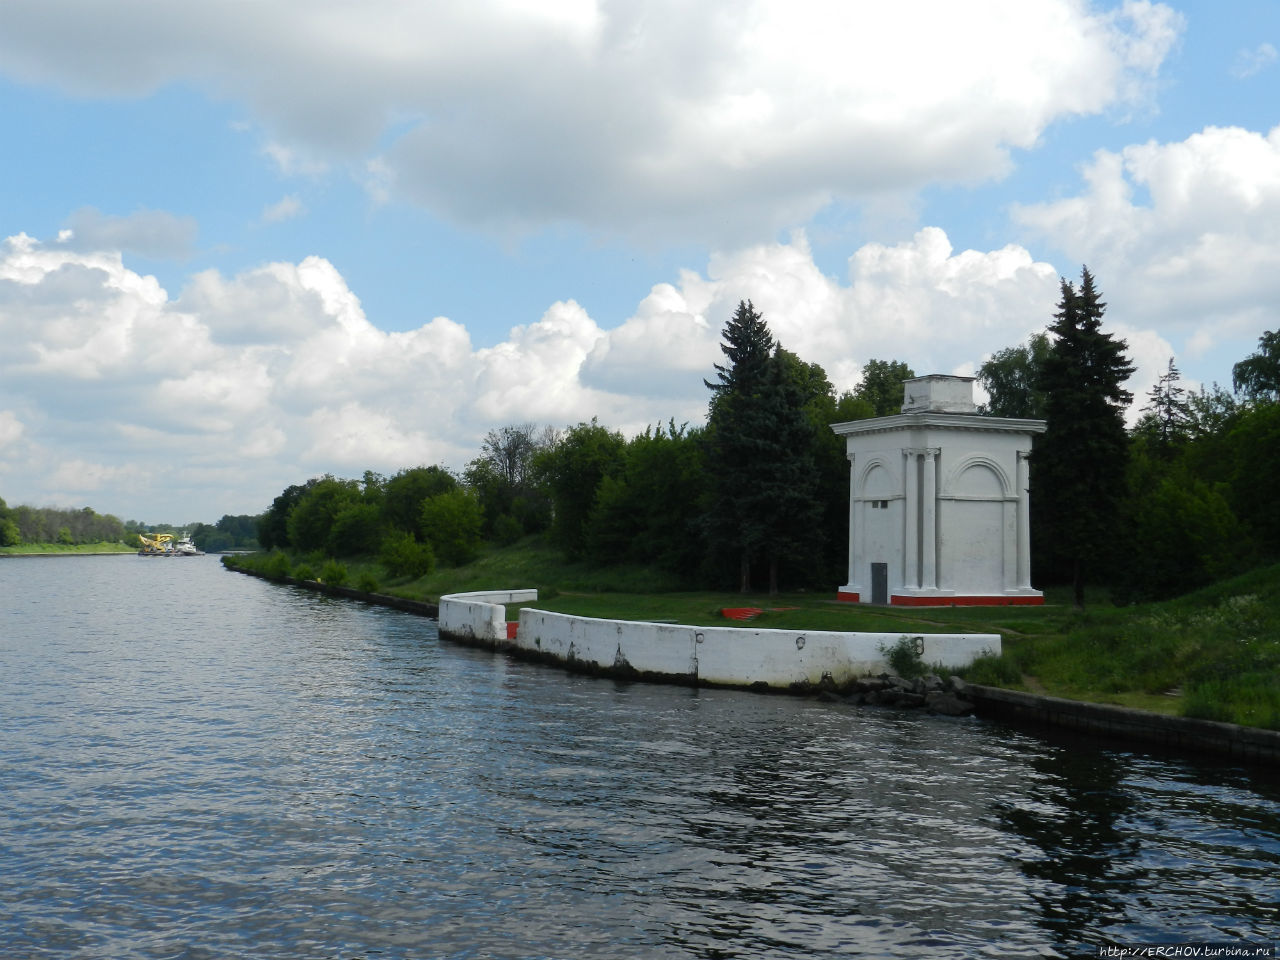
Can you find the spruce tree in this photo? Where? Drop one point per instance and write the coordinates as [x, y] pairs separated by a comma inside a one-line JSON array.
[[787, 483], [1079, 466], [748, 345], [1167, 414], [760, 454]]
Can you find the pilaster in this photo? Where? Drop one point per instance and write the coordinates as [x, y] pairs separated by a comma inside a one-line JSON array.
[[911, 521], [855, 525], [929, 518]]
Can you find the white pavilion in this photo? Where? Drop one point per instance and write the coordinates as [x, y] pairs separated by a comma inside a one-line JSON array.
[[939, 506]]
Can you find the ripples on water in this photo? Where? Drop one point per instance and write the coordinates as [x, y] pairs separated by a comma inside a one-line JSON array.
[[197, 764]]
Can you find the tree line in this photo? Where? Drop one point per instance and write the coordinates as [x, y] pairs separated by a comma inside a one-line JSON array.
[[756, 499], [1176, 502], [72, 526], [24, 524]]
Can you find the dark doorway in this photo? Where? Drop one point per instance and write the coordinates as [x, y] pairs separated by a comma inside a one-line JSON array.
[[879, 583]]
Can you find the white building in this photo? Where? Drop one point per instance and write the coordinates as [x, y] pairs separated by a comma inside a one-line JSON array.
[[939, 507]]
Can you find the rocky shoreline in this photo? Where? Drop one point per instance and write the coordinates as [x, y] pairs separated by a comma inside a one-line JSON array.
[[930, 692]]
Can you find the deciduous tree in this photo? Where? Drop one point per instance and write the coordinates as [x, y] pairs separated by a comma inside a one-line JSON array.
[[572, 471], [1258, 375], [312, 517], [404, 494], [451, 523], [1011, 378], [10, 535], [273, 525], [649, 512], [503, 478], [881, 385]]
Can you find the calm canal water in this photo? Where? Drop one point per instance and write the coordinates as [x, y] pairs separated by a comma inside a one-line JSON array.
[[198, 764]]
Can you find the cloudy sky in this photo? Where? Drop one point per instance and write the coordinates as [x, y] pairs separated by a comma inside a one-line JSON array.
[[246, 244]]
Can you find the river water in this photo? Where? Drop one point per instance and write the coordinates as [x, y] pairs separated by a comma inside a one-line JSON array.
[[197, 764]]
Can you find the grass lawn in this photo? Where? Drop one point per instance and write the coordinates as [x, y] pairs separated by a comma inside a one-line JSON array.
[[788, 611]]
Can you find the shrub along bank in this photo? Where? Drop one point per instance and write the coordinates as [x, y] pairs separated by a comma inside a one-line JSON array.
[[1213, 654]]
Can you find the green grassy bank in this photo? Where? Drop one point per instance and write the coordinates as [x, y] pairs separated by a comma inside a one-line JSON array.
[[57, 549], [1214, 654]]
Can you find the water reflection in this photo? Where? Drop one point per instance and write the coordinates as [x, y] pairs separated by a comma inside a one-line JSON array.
[[1128, 846], [1087, 863]]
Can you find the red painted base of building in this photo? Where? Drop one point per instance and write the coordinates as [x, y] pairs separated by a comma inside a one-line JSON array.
[[898, 600], [1025, 601]]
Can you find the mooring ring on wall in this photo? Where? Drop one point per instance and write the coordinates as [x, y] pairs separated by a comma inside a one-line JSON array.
[[799, 643], [697, 637], [919, 645]]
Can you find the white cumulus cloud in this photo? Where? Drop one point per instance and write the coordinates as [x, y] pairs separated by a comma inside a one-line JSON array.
[[698, 120], [241, 385], [1184, 237]]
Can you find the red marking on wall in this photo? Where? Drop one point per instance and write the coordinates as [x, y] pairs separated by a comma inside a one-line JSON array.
[[843, 597], [512, 627]]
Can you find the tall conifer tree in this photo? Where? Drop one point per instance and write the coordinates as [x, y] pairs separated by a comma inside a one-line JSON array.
[[748, 345], [1080, 463], [760, 449]]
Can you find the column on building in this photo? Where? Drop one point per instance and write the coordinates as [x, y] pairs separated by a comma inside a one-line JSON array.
[[911, 520], [1024, 520], [929, 520], [855, 524]]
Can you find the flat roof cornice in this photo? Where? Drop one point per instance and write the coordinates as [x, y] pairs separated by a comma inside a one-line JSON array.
[[938, 421]]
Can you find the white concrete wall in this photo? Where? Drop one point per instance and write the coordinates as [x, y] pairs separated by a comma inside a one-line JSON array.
[[480, 614], [737, 656], [733, 656]]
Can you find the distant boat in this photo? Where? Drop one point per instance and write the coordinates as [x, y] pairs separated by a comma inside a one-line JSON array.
[[163, 545], [158, 546]]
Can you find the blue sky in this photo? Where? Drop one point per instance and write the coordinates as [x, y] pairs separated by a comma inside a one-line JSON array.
[[250, 244]]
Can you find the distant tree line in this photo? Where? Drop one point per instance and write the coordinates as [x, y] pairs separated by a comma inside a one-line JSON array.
[[71, 526], [23, 524], [229, 533]]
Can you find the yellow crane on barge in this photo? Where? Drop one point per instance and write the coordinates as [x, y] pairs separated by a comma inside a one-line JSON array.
[[156, 546]]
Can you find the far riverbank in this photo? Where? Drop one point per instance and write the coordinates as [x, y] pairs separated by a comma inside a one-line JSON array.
[[101, 549]]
